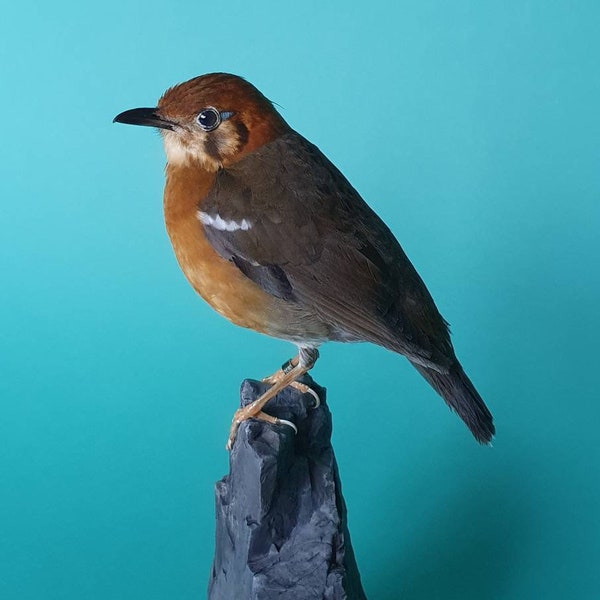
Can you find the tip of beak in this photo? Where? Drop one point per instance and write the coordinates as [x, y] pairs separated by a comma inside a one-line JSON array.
[[143, 116]]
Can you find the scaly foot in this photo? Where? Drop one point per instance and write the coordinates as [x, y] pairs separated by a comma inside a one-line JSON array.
[[293, 369]]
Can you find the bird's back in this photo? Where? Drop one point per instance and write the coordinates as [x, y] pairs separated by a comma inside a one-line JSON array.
[[311, 236], [311, 240]]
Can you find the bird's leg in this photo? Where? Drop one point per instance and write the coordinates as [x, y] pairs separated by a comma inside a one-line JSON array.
[[295, 368], [286, 367]]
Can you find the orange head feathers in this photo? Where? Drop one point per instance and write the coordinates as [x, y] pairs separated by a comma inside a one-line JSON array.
[[213, 119]]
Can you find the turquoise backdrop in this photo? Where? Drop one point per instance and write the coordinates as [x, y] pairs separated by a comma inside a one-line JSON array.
[[472, 127]]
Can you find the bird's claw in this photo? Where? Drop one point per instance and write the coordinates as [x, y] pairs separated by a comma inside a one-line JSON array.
[[241, 415], [279, 380], [306, 389]]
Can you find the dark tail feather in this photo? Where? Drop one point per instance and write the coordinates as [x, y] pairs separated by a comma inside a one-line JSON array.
[[462, 397]]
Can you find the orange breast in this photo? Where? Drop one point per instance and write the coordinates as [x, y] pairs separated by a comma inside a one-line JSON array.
[[217, 280]]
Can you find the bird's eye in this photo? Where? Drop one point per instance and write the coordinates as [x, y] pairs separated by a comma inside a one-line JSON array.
[[209, 118]]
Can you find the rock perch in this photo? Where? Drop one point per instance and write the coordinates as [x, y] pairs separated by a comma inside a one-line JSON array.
[[281, 529]]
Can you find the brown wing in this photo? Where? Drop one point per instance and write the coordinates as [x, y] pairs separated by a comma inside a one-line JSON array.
[[291, 222]]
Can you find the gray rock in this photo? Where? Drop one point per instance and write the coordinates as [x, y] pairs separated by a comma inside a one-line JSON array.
[[281, 529]]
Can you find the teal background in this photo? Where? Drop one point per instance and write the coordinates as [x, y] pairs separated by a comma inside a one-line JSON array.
[[472, 128]]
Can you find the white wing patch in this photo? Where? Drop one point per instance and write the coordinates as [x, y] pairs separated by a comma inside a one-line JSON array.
[[223, 224]]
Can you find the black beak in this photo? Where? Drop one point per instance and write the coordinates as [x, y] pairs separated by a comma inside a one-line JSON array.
[[143, 116]]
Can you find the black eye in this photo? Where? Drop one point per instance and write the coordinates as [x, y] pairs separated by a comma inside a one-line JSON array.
[[209, 118]]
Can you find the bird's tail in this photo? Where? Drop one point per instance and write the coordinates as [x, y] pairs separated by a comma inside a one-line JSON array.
[[462, 397]]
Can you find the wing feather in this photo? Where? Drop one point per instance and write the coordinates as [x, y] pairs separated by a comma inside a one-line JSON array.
[[313, 240]]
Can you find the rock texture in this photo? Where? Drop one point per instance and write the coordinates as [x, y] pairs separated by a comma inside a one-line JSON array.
[[281, 528]]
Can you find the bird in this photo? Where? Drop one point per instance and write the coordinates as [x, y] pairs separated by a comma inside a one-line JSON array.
[[274, 237]]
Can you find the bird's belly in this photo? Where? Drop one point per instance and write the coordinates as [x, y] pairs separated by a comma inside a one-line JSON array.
[[218, 281]]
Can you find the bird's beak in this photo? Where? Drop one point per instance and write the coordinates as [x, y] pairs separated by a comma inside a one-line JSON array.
[[143, 116]]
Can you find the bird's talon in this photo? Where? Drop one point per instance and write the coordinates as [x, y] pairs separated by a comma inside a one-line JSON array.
[[316, 397], [288, 423], [305, 389]]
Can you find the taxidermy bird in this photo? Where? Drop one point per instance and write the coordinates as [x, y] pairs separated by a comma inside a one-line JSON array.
[[272, 235]]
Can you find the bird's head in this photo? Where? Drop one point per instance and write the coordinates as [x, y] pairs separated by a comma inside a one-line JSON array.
[[212, 120]]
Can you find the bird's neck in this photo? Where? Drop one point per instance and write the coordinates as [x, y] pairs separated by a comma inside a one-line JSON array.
[[186, 186]]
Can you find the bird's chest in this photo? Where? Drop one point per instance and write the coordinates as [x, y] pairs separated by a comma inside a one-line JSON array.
[[217, 280]]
